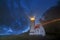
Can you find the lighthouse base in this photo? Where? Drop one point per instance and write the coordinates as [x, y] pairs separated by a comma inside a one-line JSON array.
[[38, 31]]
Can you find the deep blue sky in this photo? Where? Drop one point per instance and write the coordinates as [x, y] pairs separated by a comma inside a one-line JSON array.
[[37, 6]]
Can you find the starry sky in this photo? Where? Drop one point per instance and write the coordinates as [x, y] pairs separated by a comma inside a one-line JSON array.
[[14, 13]]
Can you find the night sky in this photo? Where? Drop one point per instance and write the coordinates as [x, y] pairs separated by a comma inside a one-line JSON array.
[[14, 14]]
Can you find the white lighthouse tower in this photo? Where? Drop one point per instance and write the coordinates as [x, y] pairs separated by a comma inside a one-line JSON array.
[[32, 24]]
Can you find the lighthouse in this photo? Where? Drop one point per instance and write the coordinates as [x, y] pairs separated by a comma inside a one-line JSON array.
[[32, 24], [36, 29]]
